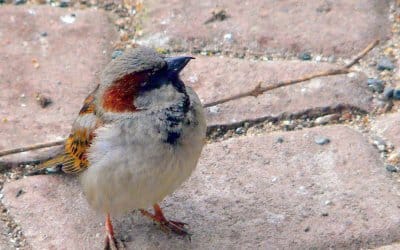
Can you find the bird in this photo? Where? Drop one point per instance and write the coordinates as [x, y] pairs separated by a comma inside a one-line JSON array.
[[136, 139]]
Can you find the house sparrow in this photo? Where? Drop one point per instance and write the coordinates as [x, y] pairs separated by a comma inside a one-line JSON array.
[[137, 138]]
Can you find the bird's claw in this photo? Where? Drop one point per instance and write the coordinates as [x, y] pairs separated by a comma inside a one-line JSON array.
[[174, 226], [113, 244]]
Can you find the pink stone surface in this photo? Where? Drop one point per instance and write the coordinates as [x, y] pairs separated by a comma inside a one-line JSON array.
[[62, 65], [249, 192], [388, 126], [338, 27], [218, 78]]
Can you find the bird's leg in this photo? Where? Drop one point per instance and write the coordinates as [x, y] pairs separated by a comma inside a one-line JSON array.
[[168, 225], [111, 243]]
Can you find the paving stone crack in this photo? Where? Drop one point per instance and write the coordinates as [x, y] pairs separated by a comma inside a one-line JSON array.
[[306, 119]]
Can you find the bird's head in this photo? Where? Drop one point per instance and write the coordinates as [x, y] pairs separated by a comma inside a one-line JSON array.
[[140, 78]]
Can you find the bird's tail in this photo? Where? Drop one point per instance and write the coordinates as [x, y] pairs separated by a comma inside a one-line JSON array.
[[56, 161]]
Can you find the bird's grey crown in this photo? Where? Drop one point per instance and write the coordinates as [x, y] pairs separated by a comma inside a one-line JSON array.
[[134, 60]]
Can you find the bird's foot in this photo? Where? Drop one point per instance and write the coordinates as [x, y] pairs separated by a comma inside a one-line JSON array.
[[174, 226], [166, 225], [112, 243]]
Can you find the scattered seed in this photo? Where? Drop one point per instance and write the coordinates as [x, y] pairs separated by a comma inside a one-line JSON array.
[[42, 100], [19, 193], [217, 15], [35, 63]]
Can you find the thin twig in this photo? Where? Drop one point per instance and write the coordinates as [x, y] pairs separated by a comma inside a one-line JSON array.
[[258, 90], [30, 148], [362, 54]]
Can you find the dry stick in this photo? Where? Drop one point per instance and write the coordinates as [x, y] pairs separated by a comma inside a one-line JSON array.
[[258, 90], [362, 53], [32, 147]]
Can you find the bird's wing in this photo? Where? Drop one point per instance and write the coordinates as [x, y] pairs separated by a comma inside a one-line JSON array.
[[74, 158]]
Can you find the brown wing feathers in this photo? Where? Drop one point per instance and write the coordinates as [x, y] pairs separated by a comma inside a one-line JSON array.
[[74, 159]]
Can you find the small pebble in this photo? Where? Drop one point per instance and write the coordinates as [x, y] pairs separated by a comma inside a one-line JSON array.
[[375, 85], [44, 34], [385, 64], [116, 54], [391, 169], [324, 214], [307, 229], [239, 131], [279, 140], [322, 140], [326, 119], [380, 144], [332, 59], [381, 147], [388, 92], [18, 2], [228, 37], [193, 78], [65, 3], [126, 238], [305, 56], [394, 158], [213, 109], [69, 19], [396, 93], [52, 170], [288, 124]]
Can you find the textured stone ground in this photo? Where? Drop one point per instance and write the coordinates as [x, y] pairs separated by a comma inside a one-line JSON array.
[[264, 180], [44, 55]]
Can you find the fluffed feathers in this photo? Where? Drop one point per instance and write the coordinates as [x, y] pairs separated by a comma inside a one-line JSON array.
[[74, 159]]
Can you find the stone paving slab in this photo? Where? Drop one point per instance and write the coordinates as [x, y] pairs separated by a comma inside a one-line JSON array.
[[215, 78], [219, 77], [248, 192], [338, 27], [388, 126], [52, 51]]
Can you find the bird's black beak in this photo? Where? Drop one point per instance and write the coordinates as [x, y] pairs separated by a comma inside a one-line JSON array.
[[176, 64]]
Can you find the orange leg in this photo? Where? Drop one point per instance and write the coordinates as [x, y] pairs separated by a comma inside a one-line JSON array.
[[167, 225], [109, 226], [111, 243]]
